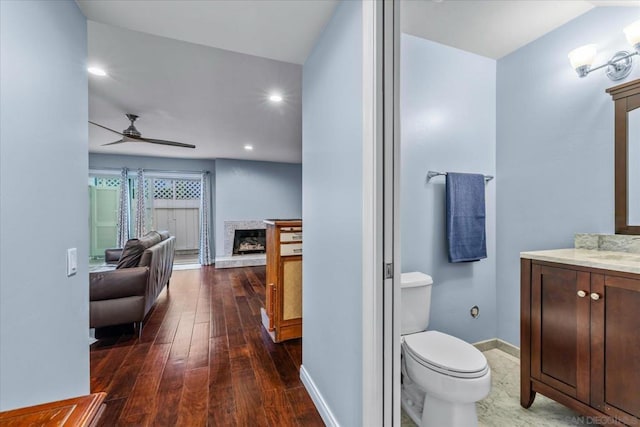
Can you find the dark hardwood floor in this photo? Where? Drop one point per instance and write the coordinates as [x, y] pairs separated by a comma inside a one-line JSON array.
[[203, 359]]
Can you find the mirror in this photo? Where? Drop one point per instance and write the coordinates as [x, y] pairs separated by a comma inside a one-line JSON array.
[[626, 98]]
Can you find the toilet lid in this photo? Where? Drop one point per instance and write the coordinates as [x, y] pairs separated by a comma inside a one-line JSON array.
[[446, 354]]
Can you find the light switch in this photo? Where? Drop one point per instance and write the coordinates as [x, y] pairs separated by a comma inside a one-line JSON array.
[[72, 261]]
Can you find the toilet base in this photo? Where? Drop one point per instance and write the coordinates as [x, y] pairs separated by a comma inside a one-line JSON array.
[[439, 413], [412, 399], [429, 411]]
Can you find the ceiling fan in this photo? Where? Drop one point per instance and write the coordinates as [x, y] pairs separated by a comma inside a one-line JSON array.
[[131, 134]]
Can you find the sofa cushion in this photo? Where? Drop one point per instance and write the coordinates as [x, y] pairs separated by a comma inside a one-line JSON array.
[[164, 234], [112, 256], [152, 237], [134, 249]]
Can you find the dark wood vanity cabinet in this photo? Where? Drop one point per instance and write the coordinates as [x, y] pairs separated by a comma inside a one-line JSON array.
[[580, 339], [560, 356]]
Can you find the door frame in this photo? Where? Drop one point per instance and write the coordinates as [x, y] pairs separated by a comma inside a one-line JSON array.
[[380, 296]]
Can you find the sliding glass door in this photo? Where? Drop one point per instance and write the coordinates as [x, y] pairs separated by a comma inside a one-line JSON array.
[[170, 202]]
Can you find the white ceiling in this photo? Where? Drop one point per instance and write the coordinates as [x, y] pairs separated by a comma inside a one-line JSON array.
[[284, 30], [186, 88], [491, 28], [212, 98]]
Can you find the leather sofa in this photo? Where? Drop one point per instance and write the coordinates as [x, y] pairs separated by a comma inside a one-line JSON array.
[[127, 293]]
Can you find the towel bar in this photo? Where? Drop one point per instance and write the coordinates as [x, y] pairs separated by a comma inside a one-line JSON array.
[[432, 174]]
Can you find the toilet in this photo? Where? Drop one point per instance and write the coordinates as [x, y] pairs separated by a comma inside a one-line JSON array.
[[442, 376]]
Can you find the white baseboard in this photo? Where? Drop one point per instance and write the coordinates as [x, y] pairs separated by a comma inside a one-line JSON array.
[[318, 400], [177, 267]]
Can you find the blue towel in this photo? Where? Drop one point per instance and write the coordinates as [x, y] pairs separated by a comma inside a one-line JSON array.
[[466, 217]]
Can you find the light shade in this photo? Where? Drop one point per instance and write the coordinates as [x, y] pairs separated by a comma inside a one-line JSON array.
[[633, 34], [582, 56], [97, 71]]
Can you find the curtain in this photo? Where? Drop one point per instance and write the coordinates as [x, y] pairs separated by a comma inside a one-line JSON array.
[[123, 209], [205, 206], [141, 209]]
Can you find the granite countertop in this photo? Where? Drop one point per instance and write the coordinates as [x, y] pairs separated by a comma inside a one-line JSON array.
[[607, 260]]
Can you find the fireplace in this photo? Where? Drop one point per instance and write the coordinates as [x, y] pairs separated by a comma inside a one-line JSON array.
[[251, 241], [230, 258]]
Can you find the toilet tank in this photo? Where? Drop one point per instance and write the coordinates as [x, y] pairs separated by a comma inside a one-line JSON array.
[[415, 302]]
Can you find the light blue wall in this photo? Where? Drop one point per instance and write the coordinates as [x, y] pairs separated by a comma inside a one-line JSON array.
[[332, 213], [554, 148], [448, 118], [248, 190], [44, 315]]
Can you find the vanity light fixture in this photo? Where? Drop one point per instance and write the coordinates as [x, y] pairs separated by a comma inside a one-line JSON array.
[[633, 35], [620, 64]]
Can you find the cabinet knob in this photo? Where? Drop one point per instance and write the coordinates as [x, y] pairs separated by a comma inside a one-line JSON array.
[[595, 296], [582, 293]]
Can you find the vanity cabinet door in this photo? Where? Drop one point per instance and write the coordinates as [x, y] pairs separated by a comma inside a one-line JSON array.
[[615, 342], [560, 345]]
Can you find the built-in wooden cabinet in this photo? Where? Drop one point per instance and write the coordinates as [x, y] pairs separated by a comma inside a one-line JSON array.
[[282, 315], [580, 339]]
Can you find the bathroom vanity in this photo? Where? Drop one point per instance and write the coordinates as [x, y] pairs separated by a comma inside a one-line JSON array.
[[580, 331]]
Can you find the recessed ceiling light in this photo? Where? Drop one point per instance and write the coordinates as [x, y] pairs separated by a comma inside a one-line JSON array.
[[248, 147], [97, 71], [275, 97]]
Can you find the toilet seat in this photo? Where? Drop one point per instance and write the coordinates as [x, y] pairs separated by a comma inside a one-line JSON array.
[[446, 354]]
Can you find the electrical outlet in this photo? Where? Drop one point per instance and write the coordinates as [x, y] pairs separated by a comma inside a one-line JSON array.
[[72, 261]]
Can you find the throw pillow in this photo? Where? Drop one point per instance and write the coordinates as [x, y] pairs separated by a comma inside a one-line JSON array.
[[131, 254], [134, 249]]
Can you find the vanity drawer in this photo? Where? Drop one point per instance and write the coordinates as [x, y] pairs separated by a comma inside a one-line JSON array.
[[291, 236], [290, 249]]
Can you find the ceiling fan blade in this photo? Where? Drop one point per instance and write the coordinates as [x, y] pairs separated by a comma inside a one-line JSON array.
[[104, 127], [120, 141], [165, 142]]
